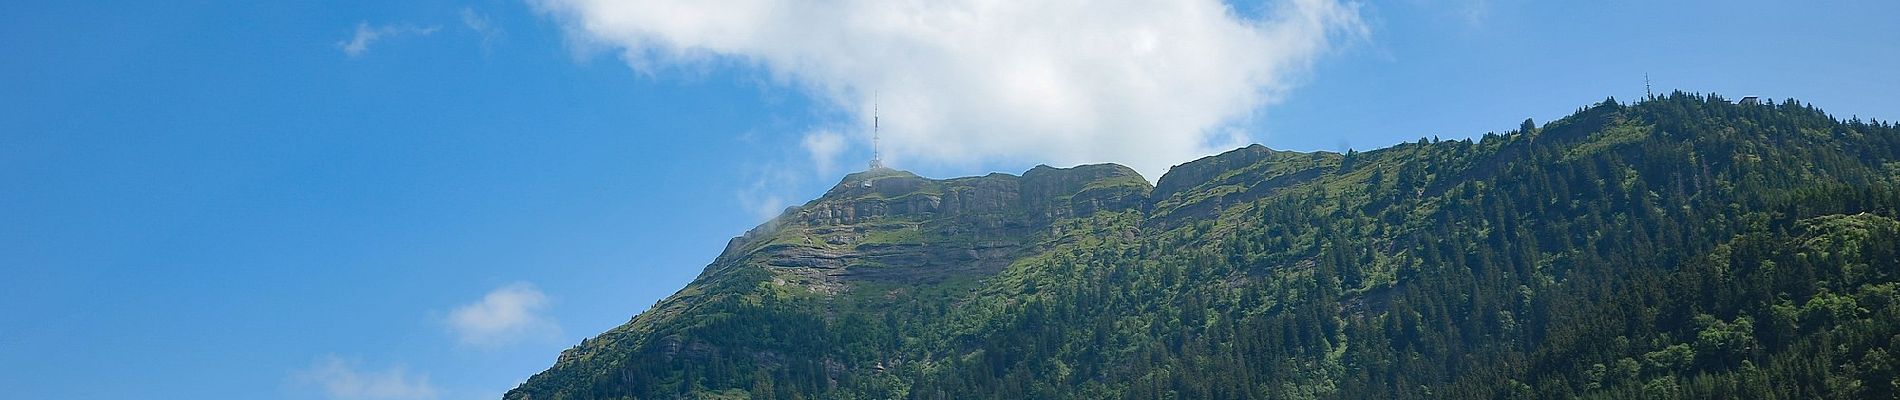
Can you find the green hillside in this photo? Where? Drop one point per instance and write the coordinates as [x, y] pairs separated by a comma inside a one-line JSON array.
[[1680, 247]]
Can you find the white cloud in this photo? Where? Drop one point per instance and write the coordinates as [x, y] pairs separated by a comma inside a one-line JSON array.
[[823, 146], [503, 316], [341, 380], [366, 34], [1146, 83]]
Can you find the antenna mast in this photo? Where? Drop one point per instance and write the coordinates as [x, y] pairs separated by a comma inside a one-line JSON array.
[[877, 154], [1646, 91]]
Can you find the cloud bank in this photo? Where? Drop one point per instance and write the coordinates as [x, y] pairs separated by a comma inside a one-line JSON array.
[[341, 380], [1145, 83], [503, 316]]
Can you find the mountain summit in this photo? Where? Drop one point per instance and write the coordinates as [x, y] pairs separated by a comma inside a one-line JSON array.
[[1682, 246]]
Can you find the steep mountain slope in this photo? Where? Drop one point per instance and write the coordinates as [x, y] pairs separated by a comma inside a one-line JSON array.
[[1679, 247]]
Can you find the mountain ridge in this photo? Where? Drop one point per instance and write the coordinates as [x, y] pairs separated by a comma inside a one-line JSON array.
[[1422, 270]]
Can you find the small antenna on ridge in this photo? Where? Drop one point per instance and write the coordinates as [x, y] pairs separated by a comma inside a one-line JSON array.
[[1646, 92], [877, 153]]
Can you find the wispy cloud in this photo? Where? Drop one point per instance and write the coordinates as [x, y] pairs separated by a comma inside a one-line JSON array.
[[762, 197], [366, 35], [505, 315], [1149, 84], [481, 25], [343, 380], [823, 146], [1474, 12]]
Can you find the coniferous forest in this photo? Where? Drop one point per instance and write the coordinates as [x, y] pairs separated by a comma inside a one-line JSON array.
[[1683, 246]]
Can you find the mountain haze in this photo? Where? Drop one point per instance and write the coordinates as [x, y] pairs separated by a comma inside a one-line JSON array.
[[1684, 246]]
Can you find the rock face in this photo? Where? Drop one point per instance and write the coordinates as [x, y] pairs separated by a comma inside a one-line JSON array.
[[1199, 172], [1052, 193], [1044, 193], [886, 224], [1203, 187]]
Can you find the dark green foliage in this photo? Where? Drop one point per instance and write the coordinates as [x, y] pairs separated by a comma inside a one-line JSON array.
[[1680, 247]]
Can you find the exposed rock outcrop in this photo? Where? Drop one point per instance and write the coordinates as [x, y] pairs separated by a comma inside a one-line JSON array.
[[886, 224]]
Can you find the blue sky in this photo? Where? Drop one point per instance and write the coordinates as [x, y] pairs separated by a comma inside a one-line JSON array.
[[228, 200]]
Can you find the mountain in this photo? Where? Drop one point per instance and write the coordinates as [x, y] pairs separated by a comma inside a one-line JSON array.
[[1679, 247]]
